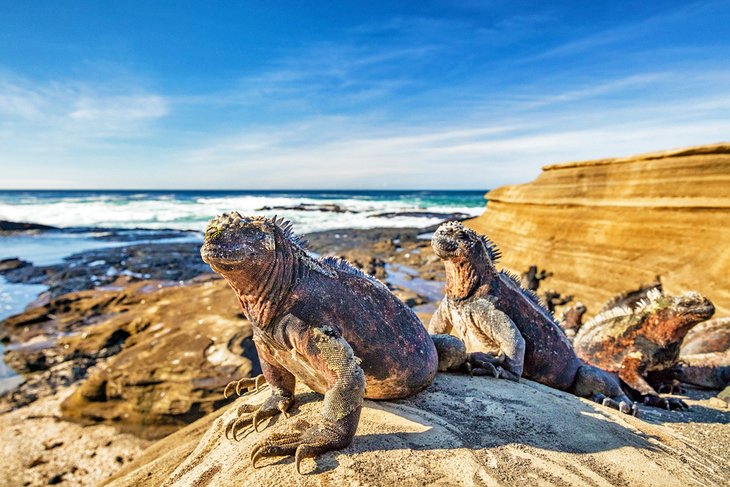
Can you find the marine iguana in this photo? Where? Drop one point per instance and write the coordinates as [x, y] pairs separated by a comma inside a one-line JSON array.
[[327, 324], [636, 343], [632, 297], [553, 298], [491, 312], [572, 319], [531, 279], [705, 354]]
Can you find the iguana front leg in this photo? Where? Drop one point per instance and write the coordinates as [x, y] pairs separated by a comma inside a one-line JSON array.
[[282, 384], [489, 324], [332, 356], [632, 372], [452, 352]]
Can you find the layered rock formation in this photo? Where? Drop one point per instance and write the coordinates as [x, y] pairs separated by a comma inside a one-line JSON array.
[[459, 431], [609, 225]]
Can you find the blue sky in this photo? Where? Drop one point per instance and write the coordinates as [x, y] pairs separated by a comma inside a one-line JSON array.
[[258, 95]]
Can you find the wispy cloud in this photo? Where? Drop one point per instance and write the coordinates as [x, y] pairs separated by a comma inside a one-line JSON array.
[[97, 111]]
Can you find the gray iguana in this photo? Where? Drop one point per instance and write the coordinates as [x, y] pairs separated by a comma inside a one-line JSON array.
[[491, 312], [327, 324]]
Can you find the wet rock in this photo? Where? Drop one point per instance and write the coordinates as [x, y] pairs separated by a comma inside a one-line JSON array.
[[423, 214], [114, 267], [8, 226], [174, 370], [325, 207], [370, 265], [12, 264], [151, 357]]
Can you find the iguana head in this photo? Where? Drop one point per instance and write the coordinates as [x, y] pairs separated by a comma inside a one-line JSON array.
[[673, 316], [693, 306], [454, 242], [232, 239], [573, 316], [468, 258]]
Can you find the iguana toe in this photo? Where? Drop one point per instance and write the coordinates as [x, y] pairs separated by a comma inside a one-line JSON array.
[[673, 387], [250, 416], [668, 403], [620, 403], [244, 384], [305, 441], [478, 363]]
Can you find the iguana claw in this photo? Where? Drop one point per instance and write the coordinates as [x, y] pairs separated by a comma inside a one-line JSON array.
[[668, 403], [247, 383], [307, 441], [249, 416]]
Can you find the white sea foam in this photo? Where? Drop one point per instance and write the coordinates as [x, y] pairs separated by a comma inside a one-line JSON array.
[[192, 213]]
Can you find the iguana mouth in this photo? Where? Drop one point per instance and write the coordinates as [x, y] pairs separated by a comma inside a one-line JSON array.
[[444, 246], [705, 310], [218, 248]]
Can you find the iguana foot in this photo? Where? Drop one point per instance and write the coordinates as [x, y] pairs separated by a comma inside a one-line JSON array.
[[603, 388], [307, 441], [246, 383], [673, 387], [249, 416], [479, 363], [668, 403], [622, 405]]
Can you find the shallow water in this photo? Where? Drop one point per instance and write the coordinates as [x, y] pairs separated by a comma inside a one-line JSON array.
[[48, 248], [13, 299]]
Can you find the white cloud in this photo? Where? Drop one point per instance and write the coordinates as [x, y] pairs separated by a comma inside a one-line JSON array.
[[130, 108], [93, 110]]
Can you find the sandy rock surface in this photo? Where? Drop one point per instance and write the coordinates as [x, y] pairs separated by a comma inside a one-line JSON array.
[[38, 448], [606, 226], [462, 431]]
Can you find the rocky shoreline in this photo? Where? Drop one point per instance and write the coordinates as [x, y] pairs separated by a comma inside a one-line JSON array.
[[141, 339]]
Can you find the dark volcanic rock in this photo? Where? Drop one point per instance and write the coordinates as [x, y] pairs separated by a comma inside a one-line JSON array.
[[12, 264], [325, 207], [6, 226], [422, 214], [116, 266]]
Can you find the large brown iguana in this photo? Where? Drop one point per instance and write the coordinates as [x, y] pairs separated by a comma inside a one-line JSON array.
[[491, 312], [637, 343], [327, 324]]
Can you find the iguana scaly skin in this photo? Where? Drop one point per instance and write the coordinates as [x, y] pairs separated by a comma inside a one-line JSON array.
[[491, 312], [705, 354], [327, 324], [635, 343], [572, 319]]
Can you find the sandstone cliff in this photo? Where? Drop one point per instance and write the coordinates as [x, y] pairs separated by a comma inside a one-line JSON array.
[[608, 225], [460, 431]]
